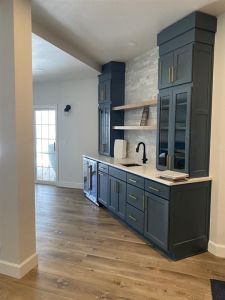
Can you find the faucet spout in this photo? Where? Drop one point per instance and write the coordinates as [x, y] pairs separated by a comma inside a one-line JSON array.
[[144, 159]]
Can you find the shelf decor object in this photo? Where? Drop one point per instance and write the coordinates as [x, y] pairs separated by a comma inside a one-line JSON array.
[[145, 114]]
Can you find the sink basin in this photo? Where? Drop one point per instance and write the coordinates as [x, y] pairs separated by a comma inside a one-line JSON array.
[[131, 165]]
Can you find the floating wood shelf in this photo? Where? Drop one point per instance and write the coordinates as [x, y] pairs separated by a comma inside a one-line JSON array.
[[134, 127], [152, 102]]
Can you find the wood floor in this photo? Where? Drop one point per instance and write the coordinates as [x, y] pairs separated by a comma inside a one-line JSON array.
[[84, 253]]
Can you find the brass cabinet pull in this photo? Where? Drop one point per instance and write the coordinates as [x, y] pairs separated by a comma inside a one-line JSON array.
[[153, 189], [172, 74], [132, 180], [169, 74], [131, 196], [133, 218]]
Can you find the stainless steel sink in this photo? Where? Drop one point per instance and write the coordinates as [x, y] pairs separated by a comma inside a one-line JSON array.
[[131, 165]]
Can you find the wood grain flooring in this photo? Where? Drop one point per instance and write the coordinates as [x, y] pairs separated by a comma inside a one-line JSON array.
[[84, 253]]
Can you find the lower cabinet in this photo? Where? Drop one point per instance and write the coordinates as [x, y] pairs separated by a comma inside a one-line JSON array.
[[156, 220], [174, 218], [103, 195], [117, 196]]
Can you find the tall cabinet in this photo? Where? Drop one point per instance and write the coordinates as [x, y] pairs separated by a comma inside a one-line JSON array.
[[185, 92], [110, 94]]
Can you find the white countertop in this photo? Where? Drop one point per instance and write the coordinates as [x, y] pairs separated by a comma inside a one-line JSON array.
[[147, 171]]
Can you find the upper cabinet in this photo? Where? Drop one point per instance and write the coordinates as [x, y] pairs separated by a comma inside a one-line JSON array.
[[110, 94], [185, 92], [176, 67]]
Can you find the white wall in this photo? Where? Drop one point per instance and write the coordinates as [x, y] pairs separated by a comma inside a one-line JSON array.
[[217, 159], [78, 130]]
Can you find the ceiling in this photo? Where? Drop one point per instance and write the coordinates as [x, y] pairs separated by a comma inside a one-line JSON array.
[[50, 62], [98, 31]]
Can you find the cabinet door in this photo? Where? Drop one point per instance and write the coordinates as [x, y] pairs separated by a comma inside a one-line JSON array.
[[103, 188], [104, 129], [156, 220], [181, 128], [164, 128], [104, 91], [122, 191], [113, 195], [182, 69], [165, 70]]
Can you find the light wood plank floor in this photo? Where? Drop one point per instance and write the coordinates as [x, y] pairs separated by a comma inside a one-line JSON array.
[[84, 253]]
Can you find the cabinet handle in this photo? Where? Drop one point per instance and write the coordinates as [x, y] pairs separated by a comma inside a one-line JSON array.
[[132, 180], [172, 74], [100, 173], [131, 196], [133, 218], [101, 168], [153, 189], [169, 75]]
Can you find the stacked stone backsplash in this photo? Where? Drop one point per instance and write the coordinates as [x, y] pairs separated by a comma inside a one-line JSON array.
[[141, 84]]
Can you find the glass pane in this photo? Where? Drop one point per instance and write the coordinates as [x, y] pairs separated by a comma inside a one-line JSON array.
[[44, 131], [163, 130], [44, 119], [39, 160], [38, 131], [46, 174], [52, 174], [52, 132], [180, 131], [39, 173], [51, 146], [45, 160], [51, 117], [38, 145], [38, 117], [44, 147]]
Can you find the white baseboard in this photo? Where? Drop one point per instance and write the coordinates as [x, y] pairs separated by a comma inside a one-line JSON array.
[[18, 270], [216, 249], [73, 185]]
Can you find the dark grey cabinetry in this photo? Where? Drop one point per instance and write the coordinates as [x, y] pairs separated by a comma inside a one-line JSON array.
[[103, 195], [110, 94], [156, 220], [185, 92], [176, 67], [117, 196]]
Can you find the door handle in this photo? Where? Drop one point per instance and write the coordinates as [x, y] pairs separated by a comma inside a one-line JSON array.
[[54, 146]]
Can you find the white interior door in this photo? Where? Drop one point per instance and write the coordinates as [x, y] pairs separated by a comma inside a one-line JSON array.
[[46, 162]]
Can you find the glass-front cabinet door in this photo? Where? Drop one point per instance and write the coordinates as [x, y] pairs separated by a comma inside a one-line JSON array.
[[164, 128], [180, 124], [104, 129]]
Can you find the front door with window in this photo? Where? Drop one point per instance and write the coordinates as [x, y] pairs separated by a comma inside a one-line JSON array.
[[45, 145]]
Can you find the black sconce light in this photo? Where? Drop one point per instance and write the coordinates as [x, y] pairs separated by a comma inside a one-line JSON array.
[[67, 108]]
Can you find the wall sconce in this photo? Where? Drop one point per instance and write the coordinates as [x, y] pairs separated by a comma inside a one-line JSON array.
[[67, 108]]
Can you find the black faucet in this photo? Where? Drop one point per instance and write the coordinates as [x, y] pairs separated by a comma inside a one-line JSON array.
[[144, 159]]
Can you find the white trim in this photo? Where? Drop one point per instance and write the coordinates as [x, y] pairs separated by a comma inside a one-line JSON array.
[[18, 270], [73, 185], [216, 249]]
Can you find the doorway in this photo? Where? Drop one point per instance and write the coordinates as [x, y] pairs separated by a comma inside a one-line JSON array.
[[45, 136]]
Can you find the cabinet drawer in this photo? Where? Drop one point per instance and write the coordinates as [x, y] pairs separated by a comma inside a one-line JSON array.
[[135, 218], [117, 173], [135, 197], [157, 189], [135, 180], [103, 168]]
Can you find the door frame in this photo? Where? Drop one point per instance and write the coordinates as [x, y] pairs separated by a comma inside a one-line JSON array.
[[46, 107]]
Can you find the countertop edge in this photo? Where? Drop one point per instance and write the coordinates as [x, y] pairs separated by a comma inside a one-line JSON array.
[[117, 165]]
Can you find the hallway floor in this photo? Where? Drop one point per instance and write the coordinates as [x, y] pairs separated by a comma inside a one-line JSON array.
[[84, 253]]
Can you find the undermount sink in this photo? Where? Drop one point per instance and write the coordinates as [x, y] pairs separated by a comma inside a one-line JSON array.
[[131, 165]]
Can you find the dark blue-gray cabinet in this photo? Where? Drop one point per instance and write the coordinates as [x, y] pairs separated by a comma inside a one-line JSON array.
[[103, 188], [110, 94], [117, 196], [185, 92]]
